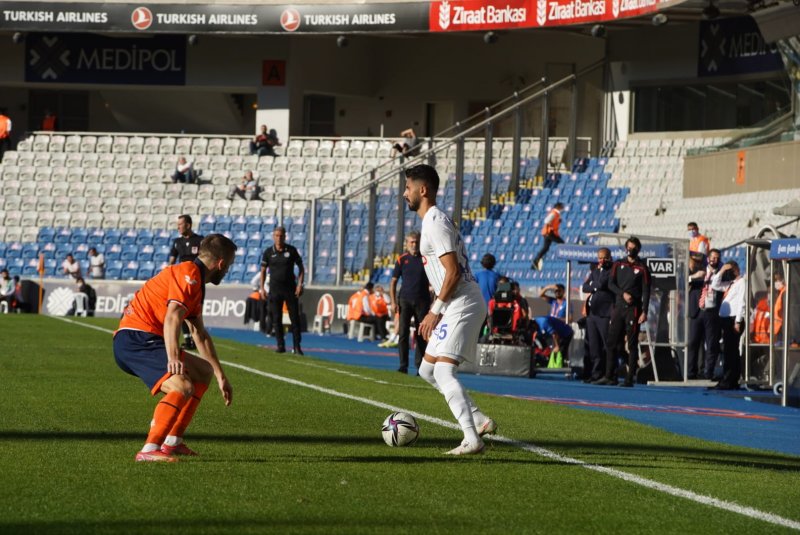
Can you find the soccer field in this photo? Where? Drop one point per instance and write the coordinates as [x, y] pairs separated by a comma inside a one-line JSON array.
[[300, 451]]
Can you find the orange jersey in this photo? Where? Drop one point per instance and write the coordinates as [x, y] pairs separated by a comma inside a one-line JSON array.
[[181, 283]]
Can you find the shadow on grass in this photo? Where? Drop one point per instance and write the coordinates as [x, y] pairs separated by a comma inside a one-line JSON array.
[[607, 453]]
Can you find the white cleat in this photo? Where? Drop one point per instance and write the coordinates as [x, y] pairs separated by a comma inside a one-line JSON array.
[[467, 448], [488, 427]]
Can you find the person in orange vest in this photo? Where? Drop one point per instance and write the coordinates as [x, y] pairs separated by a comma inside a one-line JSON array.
[[550, 232], [777, 321], [359, 309], [760, 329], [379, 305], [699, 243], [49, 121], [5, 132]]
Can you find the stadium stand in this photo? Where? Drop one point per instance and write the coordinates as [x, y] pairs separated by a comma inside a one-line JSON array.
[[67, 192]]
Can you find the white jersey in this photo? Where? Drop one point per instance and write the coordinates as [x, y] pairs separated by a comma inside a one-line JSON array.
[[439, 236]]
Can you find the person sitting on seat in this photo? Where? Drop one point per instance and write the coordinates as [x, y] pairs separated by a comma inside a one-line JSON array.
[[358, 309], [184, 172], [248, 189]]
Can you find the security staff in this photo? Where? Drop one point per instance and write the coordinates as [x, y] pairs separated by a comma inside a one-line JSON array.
[[630, 281], [185, 248], [598, 310], [414, 299], [5, 132], [281, 259]]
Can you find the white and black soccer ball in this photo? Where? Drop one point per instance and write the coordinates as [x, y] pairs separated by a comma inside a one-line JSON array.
[[400, 429]]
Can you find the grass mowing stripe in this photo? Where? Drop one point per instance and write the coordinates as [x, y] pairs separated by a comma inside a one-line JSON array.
[[543, 452], [354, 375]]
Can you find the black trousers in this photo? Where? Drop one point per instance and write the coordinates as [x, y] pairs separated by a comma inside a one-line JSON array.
[[731, 359], [408, 310], [548, 240], [624, 324], [378, 323], [597, 334], [277, 299], [703, 330]]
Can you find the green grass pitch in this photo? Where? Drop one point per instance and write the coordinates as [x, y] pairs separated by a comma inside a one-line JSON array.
[[284, 458]]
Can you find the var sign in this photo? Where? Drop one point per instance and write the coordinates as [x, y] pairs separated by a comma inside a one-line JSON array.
[[661, 267]]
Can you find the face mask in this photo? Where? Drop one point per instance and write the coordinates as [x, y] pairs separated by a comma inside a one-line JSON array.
[[605, 264], [779, 286], [633, 253], [692, 233]]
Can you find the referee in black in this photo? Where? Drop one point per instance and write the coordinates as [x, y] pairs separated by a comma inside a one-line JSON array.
[[185, 248], [414, 301], [283, 287]]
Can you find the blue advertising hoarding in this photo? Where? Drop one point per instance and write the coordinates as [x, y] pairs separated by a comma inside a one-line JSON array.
[[785, 249]]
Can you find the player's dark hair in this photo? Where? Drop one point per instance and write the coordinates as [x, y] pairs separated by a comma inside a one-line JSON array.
[[561, 287], [426, 174], [369, 286], [634, 240], [217, 246], [558, 206], [488, 261], [692, 224], [715, 251], [186, 218]]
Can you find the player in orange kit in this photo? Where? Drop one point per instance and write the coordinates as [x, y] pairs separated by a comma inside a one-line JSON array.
[[146, 345]]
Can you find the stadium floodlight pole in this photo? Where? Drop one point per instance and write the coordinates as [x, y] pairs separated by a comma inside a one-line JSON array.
[[312, 240], [459, 187], [516, 150], [371, 222], [486, 199], [544, 152], [340, 245]]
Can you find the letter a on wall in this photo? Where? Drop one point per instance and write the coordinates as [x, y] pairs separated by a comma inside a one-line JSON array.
[[273, 72]]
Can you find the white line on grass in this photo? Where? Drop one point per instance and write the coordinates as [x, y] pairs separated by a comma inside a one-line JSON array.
[[625, 476], [351, 374]]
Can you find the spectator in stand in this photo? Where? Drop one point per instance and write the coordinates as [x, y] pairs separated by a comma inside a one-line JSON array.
[[408, 146], [413, 301], [248, 189], [265, 142], [703, 310], [71, 267], [550, 232], [731, 316], [97, 264], [598, 311], [7, 290], [699, 243], [487, 279], [630, 281], [49, 121], [557, 302], [5, 132], [184, 172]]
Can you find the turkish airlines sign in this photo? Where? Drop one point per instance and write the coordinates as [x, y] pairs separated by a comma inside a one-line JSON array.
[[459, 16]]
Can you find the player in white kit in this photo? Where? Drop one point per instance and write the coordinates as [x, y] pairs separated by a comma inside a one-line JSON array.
[[454, 322]]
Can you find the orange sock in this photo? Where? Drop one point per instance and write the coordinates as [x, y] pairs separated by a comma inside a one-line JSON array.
[[164, 417], [187, 413]]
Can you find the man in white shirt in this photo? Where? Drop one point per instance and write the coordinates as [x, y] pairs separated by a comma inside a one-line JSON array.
[[731, 314], [97, 264], [453, 324], [184, 171], [71, 267]]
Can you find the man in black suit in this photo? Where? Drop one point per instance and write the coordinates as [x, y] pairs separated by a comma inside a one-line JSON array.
[[598, 312], [703, 310]]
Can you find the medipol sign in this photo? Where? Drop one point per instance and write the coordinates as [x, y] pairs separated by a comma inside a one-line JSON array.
[[94, 59]]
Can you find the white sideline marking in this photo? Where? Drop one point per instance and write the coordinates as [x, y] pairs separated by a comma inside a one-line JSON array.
[[625, 476], [351, 374]]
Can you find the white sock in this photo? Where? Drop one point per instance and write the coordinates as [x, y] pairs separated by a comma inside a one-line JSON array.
[[172, 440], [457, 398], [151, 447], [426, 372], [477, 416]]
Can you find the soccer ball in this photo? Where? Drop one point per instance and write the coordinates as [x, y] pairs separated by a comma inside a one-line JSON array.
[[400, 429]]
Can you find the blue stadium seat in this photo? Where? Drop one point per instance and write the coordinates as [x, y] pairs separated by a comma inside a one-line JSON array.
[[128, 237], [130, 270], [112, 236], [145, 237]]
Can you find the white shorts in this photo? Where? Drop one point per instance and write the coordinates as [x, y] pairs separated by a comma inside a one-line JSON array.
[[456, 335]]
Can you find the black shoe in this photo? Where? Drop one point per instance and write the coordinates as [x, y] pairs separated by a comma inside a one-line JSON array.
[[281, 349], [297, 351], [402, 370], [722, 385], [190, 345], [605, 381], [626, 384]]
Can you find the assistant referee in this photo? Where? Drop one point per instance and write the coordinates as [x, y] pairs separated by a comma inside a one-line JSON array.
[[185, 248], [281, 259]]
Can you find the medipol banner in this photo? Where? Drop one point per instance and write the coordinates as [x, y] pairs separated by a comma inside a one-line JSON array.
[[734, 46], [437, 16], [93, 59]]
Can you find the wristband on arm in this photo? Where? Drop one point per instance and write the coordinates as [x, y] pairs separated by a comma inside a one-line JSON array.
[[437, 306]]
